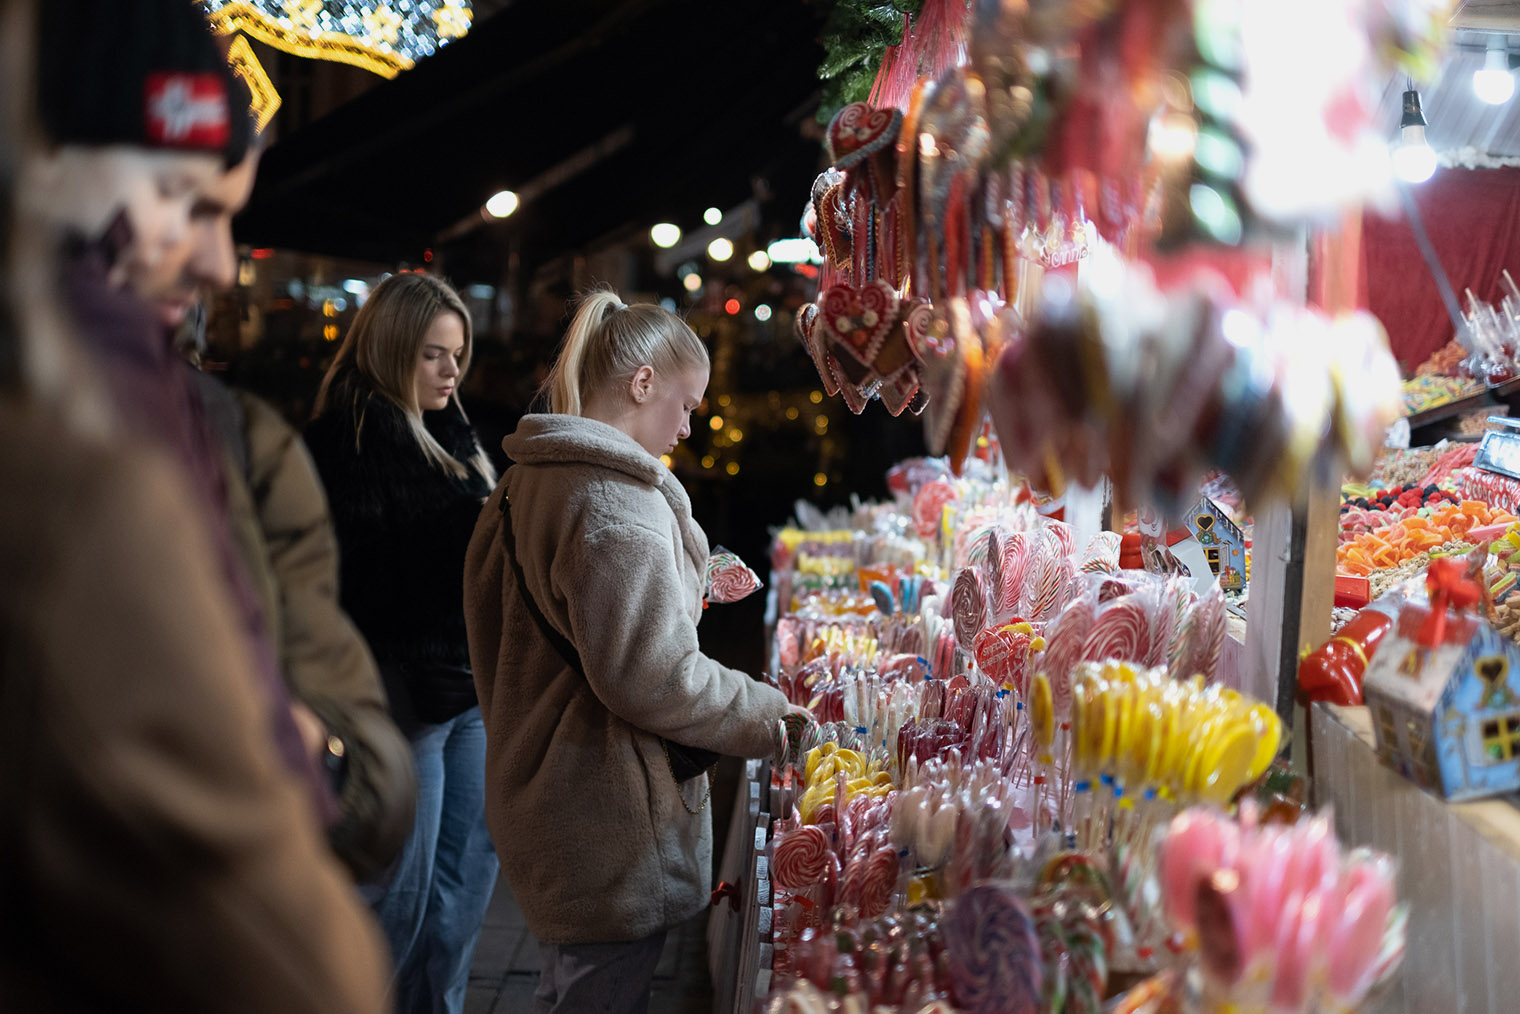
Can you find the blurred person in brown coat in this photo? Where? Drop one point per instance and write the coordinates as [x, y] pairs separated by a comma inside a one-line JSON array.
[[282, 527], [139, 115], [157, 852]]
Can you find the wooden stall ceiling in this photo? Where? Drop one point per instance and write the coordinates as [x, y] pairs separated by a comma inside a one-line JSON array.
[[1459, 869]]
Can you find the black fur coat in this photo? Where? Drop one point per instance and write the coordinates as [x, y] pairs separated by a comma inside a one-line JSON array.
[[403, 525]]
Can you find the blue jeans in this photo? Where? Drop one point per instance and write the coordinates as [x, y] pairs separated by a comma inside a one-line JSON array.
[[433, 907]]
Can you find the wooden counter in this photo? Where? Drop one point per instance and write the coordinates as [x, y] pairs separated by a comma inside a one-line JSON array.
[[1459, 868]]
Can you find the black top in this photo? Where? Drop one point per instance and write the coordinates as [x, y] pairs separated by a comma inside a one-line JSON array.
[[403, 525]]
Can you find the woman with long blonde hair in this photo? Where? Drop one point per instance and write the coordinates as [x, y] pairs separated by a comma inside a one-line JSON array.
[[584, 585], [405, 476]]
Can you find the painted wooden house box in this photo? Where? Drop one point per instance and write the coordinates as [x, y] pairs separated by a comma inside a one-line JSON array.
[[1447, 716], [1224, 545]]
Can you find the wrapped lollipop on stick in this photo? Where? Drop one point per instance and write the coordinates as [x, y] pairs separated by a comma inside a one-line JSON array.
[[729, 578]]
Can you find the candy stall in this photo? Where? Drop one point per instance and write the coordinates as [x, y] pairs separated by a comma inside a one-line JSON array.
[[1058, 755]]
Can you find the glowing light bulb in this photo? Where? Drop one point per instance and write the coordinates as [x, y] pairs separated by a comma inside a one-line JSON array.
[[501, 204], [693, 282], [760, 260], [720, 249], [762, 313], [1495, 83], [1413, 160], [665, 235], [712, 216]]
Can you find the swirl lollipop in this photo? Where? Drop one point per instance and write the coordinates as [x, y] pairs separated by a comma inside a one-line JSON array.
[[1044, 589], [1012, 570], [968, 606], [1208, 634], [1121, 631], [1064, 536], [1102, 554], [993, 952], [878, 881], [1063, 650], [729, 578], [801, 857]]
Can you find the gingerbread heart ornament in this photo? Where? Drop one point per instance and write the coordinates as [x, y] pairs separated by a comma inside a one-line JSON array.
[[855, 322], [897, 393], [941, 379], [857, 131]]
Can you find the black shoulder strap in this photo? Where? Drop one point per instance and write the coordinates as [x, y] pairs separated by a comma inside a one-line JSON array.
[[509, 542]]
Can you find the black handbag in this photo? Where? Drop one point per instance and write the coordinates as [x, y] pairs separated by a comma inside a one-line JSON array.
[[685, 762]]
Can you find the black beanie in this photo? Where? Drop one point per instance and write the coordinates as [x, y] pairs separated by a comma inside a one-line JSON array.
[[146, 73]]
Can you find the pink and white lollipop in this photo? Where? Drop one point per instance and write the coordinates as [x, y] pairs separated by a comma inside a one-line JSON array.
[[1121, 631], [800, 858], [729, 578]]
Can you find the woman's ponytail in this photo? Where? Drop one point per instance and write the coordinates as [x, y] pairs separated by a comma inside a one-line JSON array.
[[609, 341], [566, 379]]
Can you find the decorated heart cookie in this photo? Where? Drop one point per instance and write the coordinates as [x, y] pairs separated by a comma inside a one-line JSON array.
[[941, 377], [858, 131], [898, 392], [855, 321]]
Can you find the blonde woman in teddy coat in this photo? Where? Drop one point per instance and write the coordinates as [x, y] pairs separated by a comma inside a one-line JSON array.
[[602, 847]]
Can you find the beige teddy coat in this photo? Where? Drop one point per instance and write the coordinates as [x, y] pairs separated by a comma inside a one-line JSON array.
[[593, 838]]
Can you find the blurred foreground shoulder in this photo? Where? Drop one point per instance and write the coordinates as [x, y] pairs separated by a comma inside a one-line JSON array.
[[158, 853]]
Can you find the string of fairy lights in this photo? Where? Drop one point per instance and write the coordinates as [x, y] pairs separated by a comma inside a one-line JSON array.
[[385, 38]]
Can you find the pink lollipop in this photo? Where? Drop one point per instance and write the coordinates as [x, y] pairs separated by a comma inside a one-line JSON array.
[[1121, 631], [968, 606], [1356, 935], [801, 857], [1299, 918], [1192, 849]]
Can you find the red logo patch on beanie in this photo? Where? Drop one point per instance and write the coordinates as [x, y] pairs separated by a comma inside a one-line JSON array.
[[185, 110]]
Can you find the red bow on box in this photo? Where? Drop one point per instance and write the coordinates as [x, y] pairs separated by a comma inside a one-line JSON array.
[[1449, 588]]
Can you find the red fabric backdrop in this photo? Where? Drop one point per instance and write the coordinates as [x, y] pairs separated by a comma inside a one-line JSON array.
[[1473, 219]]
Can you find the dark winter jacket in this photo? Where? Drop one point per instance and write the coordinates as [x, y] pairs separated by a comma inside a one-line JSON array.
[[403, 525]]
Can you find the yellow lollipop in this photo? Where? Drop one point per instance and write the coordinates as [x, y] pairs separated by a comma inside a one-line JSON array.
[[1176, 739], [1200, 742], [1042, 714], [1268, 731], [1079, 691], [1226, 767], [1135, 734]]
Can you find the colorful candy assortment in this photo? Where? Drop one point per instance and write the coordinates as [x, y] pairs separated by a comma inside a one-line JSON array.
[[973, 824], [1428, 391], [1416, 536]]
